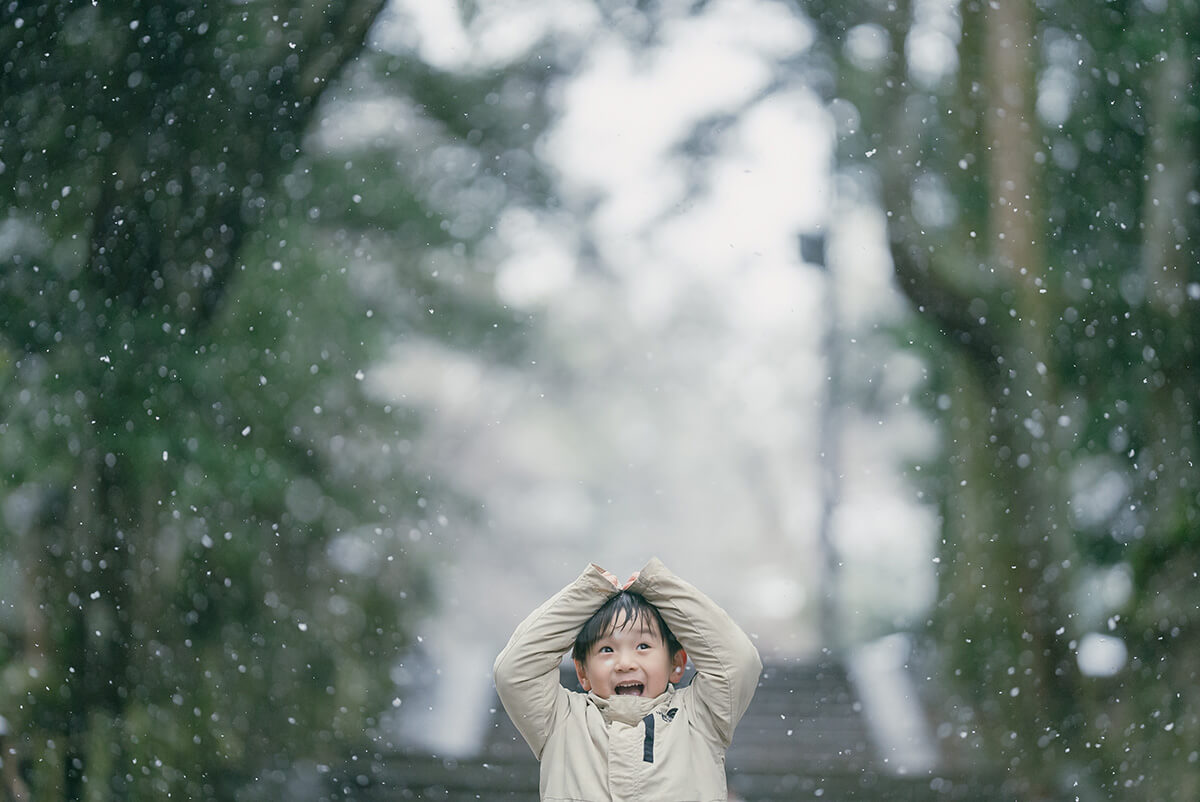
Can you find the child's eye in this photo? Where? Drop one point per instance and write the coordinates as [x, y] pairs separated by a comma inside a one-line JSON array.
[[643, 645], [605, 649]]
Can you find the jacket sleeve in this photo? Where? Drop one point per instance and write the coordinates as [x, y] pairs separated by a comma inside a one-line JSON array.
[[526, 672], [727, 664]]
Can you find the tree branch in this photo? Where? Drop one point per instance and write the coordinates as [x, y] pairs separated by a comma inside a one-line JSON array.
[[935, 299]]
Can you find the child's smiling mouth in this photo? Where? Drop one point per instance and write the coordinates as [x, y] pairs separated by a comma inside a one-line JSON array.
[[630, 689]]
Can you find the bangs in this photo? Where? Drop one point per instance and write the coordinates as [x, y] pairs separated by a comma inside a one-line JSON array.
[[625, 610], [622, 617]]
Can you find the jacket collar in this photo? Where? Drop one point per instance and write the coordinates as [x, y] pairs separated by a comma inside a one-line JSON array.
[[629, 709]]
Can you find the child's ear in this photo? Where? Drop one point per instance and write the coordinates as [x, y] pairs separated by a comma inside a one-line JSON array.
[[678, 663], [581, 673]]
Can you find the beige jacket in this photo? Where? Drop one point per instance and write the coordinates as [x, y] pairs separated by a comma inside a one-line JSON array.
[[667, 749]]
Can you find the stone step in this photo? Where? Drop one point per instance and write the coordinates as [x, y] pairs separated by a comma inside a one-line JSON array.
[[804, 737], [866, 785], [429, 778]]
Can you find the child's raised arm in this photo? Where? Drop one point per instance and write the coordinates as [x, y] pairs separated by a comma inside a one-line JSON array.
[[727, 664], [526, 672]]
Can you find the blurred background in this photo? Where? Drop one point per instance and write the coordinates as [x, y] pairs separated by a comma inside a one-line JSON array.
[[335, 337]]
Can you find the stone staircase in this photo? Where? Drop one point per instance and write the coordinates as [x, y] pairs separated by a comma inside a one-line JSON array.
[[804, 736]]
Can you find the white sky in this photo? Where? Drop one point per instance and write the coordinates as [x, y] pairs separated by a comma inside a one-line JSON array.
[[688, 426]]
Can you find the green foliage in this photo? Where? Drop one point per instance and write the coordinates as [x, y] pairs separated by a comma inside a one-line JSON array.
[[206, 566], [1064, 363]]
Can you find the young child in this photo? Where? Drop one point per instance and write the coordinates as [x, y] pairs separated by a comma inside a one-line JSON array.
[[633, 735]]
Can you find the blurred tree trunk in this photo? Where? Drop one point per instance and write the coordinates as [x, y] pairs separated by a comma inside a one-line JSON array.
[[1050, 365], [1005, 517], [1022, 416], [222, 570], [1163, 699], [139, 130]]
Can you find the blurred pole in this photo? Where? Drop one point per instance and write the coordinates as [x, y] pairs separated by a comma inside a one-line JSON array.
[[812, 251]]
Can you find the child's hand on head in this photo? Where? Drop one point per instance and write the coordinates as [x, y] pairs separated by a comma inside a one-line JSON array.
[[609, 576], [616, 583]]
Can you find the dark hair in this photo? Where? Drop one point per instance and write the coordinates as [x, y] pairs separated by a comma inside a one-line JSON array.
[[622, 610]]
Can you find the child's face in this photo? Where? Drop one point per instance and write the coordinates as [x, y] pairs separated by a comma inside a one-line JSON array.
[[632, 659]]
